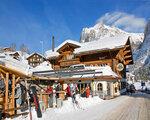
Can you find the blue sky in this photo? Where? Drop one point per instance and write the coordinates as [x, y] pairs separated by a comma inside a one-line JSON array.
[[32, 21]]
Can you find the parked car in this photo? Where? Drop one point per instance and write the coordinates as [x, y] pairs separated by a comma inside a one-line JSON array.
[[132, 88]]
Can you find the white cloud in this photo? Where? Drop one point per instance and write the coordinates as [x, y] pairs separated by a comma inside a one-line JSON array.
[[125, 21]]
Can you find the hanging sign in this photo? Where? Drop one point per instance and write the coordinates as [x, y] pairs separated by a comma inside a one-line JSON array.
[[120, 67]]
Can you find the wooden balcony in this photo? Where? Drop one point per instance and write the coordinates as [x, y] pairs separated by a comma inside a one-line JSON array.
[[64, 63]]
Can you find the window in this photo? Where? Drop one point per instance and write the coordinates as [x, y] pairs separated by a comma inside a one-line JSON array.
[[100, 87], [71, 56], [78, 66], [116, 89]]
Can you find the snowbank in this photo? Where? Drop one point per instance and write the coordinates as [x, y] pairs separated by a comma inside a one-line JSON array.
[[84, 103], [68, 107]]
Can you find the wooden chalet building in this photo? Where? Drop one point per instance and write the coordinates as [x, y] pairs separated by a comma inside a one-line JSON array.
[[113, 51], [7, 49], [35, 59]]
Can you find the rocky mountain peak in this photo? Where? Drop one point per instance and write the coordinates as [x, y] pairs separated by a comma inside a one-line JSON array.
[[101, 30]]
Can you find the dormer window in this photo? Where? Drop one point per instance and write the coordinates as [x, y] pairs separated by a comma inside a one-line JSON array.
[[70, 56]]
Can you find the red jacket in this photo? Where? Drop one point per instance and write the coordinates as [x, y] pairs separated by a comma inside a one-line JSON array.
[[49, 90], [87, 92], [68, 90]]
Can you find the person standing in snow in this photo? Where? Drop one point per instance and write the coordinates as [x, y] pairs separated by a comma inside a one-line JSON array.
[[18, 95], [68, 91], [74, 97], [50, 92], [54, 95], [73, 88], [58, 89], [87, 91]]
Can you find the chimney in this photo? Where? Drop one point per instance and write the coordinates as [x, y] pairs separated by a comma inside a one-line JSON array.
[[53, 44]]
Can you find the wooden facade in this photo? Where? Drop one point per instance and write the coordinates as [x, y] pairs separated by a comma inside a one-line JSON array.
[[8, 96], [35, 59], [15, 55], [111, 57], [117, 58], [7, 49]]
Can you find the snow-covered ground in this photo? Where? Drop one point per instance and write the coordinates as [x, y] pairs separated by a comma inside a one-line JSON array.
[[93, 108], [68, 108], [133, 107]]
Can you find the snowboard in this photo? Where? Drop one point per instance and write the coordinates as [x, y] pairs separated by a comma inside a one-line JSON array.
[[36, 101]]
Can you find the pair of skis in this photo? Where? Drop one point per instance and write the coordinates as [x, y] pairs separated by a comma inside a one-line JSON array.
[[76, 103]]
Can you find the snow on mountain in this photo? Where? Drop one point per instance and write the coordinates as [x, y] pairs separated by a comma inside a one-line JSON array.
[[101, 30], [140, 43], [142, 55], [141, 67]]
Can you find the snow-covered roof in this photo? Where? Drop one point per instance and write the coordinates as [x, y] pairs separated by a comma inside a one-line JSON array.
[[97, 45], [70, 42], [42, 67], [21, 54], [17, 65], [103, 44], [50, 53], [36, 53]]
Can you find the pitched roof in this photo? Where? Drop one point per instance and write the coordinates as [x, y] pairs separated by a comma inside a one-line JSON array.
[[35, 53], [73, 43], [97, 45], [103, 44]]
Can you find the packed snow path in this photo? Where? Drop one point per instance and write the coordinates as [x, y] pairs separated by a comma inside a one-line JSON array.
[[135, 107]]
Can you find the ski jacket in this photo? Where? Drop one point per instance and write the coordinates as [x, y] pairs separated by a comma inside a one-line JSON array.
[[68, 90], [87, 92], [49, 90]]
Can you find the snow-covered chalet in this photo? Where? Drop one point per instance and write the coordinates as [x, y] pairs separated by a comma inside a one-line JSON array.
[[109, 56]]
